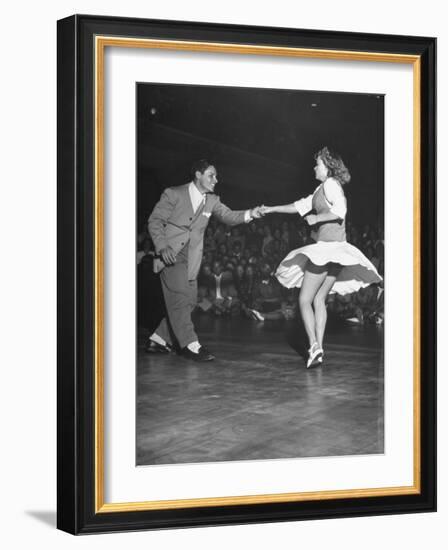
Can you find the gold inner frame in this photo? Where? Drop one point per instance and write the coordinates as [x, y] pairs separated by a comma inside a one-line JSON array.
[[101, 42]]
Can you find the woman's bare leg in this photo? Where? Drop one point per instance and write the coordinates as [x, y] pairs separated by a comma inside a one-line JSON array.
[[320, 308], [312, 281]]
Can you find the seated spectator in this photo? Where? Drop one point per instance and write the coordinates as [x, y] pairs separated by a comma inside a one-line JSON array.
[[143, 234], [267, 239], [247, 285], [209, 241], [278, 251], [269, 249], [260, 231], [277, 234], [236, 237], [146, 250], [223, 294], [236, 251], [381, 267], [253, 238], [207, 258], [267, 297], [230, 265], [254, 261], [290, 303], [370, 253], [238, 279], [220, 234], [365, 233], [379, 307], [345, 308], [371, 303], [379, 252], [353, 235], [205, 284], [285, 235], [222, 251], [298, 235], [247, 253]]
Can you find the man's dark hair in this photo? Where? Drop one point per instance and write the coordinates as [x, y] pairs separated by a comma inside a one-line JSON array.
[[200, 166]]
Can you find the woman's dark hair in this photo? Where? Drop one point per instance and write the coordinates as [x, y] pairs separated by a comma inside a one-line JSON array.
[[335, 165], [200, 166]]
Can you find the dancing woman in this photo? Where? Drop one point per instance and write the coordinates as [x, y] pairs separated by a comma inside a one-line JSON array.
[[330, 264]]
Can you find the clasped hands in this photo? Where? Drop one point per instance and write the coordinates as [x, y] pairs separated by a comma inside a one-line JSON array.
[[260, 211]]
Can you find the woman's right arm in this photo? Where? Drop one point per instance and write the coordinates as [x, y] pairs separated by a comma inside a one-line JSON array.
[[283, 209], [301, 207]]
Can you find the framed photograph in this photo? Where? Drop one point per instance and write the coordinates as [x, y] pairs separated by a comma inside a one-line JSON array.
[[246, 274]]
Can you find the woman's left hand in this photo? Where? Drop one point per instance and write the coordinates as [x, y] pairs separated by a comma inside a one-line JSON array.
[[311, 219]]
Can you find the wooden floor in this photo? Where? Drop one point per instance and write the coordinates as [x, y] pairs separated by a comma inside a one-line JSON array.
[[257, 400]]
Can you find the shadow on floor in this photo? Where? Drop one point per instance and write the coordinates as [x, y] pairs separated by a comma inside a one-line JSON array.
[[48, 517]]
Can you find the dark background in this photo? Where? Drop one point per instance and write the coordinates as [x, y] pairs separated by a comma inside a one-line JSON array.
[[262, 142]]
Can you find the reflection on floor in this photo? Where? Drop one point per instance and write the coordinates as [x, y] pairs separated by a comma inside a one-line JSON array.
[[257, 400]]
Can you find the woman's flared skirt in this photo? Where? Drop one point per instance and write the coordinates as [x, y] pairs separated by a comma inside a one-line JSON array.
[[357, 271]]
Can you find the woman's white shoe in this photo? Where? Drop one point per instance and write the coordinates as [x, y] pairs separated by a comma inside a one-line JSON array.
[[315, 354]]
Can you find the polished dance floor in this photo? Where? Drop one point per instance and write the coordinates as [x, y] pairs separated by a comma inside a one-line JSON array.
[[257, 400]]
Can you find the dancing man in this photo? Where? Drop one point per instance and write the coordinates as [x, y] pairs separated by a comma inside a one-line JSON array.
[[177, 226]]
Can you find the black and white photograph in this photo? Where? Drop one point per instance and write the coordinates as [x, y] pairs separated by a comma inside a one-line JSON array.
[[223, 281], [260, 274]]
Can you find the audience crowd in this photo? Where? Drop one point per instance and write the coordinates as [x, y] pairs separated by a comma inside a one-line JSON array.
[[237, 271]]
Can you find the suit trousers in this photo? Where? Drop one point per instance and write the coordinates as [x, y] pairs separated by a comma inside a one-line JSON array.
[[180, 300]]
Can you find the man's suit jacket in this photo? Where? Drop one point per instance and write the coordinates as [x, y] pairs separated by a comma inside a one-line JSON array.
[[173, 222]]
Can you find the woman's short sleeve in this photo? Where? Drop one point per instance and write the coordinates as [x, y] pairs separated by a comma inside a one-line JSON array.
[[304, 205], [335, 198]]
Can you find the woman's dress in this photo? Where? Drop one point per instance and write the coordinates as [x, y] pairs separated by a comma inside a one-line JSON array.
[[330, 246]]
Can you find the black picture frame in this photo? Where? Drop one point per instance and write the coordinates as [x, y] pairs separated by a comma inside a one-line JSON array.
[[77, 509]]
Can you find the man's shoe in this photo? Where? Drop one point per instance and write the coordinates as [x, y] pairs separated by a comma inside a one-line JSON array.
[[202, 355], [154, 347]]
